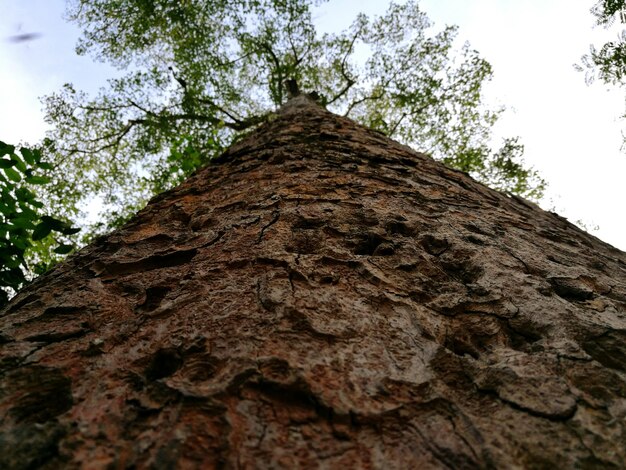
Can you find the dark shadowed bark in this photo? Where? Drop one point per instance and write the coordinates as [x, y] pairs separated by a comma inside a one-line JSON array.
[[322, 297]]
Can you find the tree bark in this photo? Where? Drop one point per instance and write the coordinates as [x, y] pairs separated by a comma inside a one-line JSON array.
[[322, 297]]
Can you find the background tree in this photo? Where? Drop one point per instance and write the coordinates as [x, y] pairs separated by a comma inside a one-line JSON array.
[[609, 62], [199, 75], [29, 239]]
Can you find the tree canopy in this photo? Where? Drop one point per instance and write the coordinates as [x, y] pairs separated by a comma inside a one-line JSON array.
[[609, 62], [198, 75]]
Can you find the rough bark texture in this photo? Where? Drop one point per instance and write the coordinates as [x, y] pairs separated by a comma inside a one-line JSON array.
[[322, 297]]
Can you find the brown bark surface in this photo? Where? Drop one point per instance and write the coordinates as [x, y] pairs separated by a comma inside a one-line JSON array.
[[322, 297]]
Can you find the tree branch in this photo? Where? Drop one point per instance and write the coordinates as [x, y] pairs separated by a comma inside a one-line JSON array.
[[349, 81], [218, 108], [141, 108], [274, 58], [362, 100], [395, 126], [239, 125]]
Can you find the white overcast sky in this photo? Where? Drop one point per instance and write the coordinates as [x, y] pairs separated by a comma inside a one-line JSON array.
[[572, 132]]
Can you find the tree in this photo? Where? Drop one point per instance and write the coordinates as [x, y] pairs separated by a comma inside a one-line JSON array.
[[203, 74], [322, 296], [29, 238], [608, 63]]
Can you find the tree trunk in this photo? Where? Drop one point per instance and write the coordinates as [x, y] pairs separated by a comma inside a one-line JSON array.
[[322, 297]]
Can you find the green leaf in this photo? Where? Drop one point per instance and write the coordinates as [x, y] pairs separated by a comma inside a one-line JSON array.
[[24, 194], [28, 155], [19, 163], [41, 231], [37, 179], [12, 277], [70, 231], [13, 263], [23, 222], [40, 268], [63, 249], [12, 175], [21, 243], [4, 163], [10, 252], [54, 223], [45, 166], [6, 149]]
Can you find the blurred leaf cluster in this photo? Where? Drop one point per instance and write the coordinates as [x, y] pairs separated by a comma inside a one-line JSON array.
[[30, 240], [608, 63]]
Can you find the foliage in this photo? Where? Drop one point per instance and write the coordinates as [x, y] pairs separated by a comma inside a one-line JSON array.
[[503, 171], [198, 74], [26, 234], [609, 62]]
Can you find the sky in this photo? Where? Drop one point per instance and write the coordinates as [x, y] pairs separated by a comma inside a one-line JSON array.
[[572, 132]]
